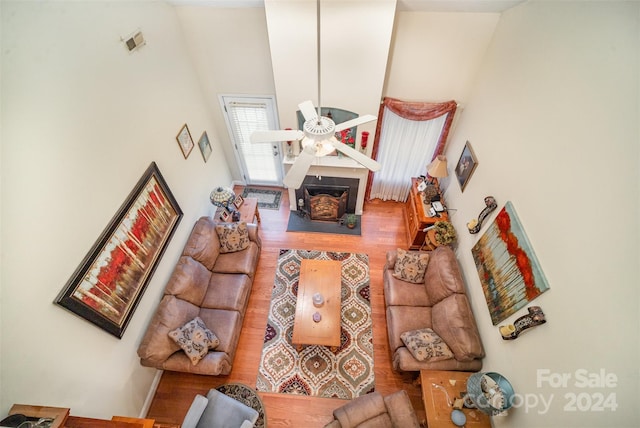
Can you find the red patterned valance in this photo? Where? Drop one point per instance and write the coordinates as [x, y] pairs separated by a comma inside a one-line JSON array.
[[415, 110]]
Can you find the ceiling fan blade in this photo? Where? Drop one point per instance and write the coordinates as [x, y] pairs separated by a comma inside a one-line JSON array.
[[356, 155], [355, 122], [308, 110], [299, 169], [275, 135]]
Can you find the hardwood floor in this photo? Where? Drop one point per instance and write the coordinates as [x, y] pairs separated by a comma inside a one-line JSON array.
[[382, 230]]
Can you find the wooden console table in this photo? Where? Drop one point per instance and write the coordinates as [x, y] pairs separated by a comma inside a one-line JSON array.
[[416, 218], [248, 211], [436, 402]]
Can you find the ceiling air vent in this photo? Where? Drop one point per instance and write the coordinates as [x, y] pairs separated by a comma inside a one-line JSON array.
[[135, 41]]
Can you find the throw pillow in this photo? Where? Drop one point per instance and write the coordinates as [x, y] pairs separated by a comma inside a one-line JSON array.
[[425, 345], [233, 236], [411, 266], [195, 339]]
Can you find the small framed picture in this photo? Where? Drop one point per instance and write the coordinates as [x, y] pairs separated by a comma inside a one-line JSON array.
[[225, 215], [238, 201], [205, 146], [466, 165], [185, 141]]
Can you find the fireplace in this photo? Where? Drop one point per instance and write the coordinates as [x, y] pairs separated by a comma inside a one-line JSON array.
[[327, 198], [325, 203]]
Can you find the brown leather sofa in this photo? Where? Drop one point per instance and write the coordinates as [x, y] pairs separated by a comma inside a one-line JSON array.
[[440, 304], [211, 285], [374, 410]]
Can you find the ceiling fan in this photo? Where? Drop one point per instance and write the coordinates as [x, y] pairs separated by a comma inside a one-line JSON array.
[[318, 134]]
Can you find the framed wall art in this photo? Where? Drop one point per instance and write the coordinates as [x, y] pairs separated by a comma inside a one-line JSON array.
[[205, 146], [109, 282], [185, 141], [509, 271], [465, 166]]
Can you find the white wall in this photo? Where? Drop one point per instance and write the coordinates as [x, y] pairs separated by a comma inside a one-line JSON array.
[[553, 119], [239, 67], [82, 119], [435, 56], [355, 39]]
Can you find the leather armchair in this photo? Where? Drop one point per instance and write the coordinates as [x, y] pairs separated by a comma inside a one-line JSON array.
[[217, 410], [374, 410]]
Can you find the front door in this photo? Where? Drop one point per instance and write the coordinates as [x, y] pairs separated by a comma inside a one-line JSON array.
[[261, 164]]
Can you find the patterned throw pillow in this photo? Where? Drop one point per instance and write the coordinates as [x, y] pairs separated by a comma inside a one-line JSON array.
[[195, 339], [233, 236], [425, 345], [411, 266]]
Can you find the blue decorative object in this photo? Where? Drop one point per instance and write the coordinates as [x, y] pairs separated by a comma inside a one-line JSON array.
[[458, 418], [489, 392]]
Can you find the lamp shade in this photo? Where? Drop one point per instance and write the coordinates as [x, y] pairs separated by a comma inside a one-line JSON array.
[[438, 167], [222, 197]]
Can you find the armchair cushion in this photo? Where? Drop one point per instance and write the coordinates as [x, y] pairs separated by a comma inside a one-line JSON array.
[[363, 409], [219, 411], [233, 236], [195, 339], [225, 412], [424, 344], [411, 266]]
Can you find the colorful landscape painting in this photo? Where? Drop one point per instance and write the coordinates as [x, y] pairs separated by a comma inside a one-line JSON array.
[[107, 286], [508, 268]]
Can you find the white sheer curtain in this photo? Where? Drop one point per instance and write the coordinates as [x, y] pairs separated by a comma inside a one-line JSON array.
[[405, 149]]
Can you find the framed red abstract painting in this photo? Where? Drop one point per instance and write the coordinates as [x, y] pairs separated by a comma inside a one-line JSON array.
[[107, 286], [509, 270]]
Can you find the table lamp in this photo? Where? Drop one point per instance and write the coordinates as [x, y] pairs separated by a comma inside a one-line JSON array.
[[438, 167], [223, 197]]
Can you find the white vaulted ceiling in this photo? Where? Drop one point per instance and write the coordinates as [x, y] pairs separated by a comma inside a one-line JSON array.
[[478, 6]]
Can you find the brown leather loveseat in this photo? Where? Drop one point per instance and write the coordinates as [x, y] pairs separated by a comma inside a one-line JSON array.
[[439, 303], [208, 284]]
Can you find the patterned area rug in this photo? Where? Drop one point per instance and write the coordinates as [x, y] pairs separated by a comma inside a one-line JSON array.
[[247, 396], [316, 370], [267, 198]]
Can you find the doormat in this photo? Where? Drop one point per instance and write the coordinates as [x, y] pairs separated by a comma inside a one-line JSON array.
[[346, 373], [300, 224], [267, 198]]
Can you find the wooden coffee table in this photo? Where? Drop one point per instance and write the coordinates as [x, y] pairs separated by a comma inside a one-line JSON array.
[[435, 399], [324, 277]]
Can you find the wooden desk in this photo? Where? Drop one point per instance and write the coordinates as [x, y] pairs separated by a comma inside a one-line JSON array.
[[435, 400], [416, 218], [324, 277]]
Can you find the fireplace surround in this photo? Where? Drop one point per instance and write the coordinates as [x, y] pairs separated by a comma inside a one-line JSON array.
[[333, 171], [327, 198]]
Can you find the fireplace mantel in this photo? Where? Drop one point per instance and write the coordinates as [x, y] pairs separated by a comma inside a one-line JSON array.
[[333, 166]]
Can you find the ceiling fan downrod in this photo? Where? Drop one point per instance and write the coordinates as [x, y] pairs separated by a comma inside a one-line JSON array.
[[318, 58]]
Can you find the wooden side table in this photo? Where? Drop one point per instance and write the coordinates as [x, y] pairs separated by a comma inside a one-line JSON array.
[[249, 210], [436, 403]]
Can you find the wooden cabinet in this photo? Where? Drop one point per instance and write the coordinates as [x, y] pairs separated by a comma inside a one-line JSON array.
[[416, 217]]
